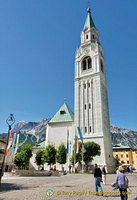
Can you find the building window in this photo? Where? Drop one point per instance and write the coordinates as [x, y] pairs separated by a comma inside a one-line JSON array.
[[93, 36], [89, 106], [102, 68], [90, 129], [127, 162], [89, 85], [86, 36], [127, 155], [121, 155], [62, 112], [85, 106], [84, 85], [122, 162], [132, 162], [85, 129], [86, 63], [89, 63]]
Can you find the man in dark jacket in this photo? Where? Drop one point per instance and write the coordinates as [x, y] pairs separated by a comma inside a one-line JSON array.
[[98, 178]]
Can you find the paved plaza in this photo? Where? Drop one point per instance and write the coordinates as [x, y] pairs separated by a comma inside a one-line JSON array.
[[71, 186]]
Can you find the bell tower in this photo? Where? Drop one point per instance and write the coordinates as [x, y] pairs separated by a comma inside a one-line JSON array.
[[91, 99]]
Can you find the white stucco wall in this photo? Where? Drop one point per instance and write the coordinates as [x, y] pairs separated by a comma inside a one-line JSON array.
[[57, 134]]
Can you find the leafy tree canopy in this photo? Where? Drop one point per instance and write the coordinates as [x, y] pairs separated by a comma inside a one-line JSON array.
[[39, 159], [49, 156], [61, 154], [22, 158], [92, 149]]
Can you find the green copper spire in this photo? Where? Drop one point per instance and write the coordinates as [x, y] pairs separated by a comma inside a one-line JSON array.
[[89, 22]]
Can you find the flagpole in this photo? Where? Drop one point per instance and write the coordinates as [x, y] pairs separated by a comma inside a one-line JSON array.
[[82, 153], [83, 147], [67, 148], [74, 159], [82, 159]]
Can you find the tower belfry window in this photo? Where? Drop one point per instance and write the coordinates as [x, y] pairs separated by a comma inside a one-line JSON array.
[[89, 63], [86, 63], [86, 36]]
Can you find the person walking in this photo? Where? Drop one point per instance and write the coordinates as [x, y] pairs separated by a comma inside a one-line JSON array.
[[131, 169], [98, 178], [122, 183], [104, 174]]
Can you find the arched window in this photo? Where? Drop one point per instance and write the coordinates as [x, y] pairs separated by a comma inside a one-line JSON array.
[[86, 63], [89, 63]]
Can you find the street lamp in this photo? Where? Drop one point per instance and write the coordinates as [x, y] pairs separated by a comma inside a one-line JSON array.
[[10, 121]]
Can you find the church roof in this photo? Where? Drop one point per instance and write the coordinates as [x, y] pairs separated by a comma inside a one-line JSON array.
[[64, 114], [42, 144], [89, 21], [119, 146]]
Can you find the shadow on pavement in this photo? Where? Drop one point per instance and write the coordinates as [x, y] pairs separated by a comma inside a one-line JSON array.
[[5, 187], [63, 186]]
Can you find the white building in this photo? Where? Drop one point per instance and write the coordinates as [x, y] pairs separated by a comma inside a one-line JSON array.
[[91, 100], [57, 128]]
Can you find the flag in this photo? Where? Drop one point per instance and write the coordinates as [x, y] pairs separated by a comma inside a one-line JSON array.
[[67, 150], [14, 140], [76, 143], [17, 144], [10, 142], [80, 134]]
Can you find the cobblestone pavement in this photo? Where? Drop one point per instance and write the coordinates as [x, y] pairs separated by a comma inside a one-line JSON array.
[[71, 186]]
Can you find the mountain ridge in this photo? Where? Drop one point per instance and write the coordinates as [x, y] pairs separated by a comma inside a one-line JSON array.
[[33, 132]]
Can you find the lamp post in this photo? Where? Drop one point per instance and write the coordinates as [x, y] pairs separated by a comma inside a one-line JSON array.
[[10, 121]]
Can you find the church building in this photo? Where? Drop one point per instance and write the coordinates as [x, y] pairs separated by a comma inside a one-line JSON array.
[[91, 111]]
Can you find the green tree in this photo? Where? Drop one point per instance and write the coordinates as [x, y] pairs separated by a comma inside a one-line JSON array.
[[39, 159], [50, 155], [61, 155], [22, 158], [93, 149]]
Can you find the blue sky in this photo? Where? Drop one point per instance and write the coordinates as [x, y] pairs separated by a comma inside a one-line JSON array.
[[38, 40]]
